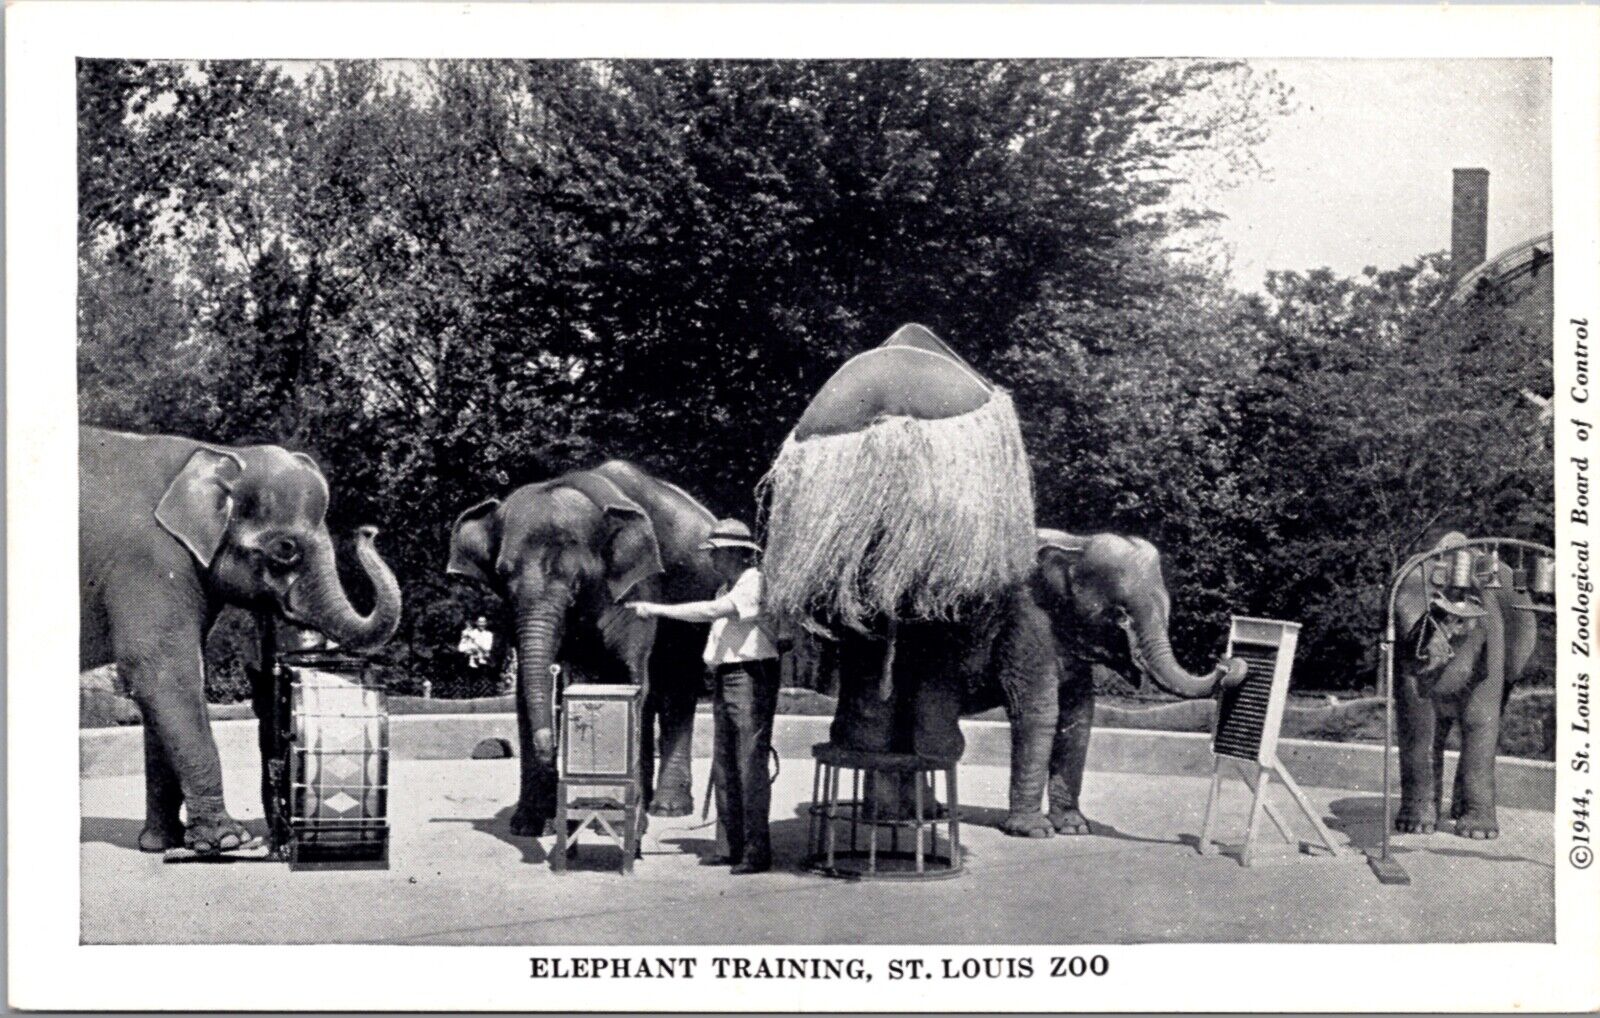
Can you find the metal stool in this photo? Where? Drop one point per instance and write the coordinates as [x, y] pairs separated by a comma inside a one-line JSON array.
[[834, 822]]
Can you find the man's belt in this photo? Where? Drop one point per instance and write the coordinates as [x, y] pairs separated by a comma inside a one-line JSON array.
[[732, 666]]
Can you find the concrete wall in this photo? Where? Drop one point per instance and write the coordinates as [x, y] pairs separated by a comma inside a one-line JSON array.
[[1524, 784]]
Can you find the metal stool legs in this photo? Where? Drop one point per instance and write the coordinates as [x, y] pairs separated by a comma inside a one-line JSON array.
[[875, 778]]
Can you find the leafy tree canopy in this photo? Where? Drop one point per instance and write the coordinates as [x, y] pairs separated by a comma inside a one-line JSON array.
[[445, 279]]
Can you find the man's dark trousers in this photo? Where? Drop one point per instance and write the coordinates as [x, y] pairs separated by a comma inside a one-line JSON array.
[[744, 700]]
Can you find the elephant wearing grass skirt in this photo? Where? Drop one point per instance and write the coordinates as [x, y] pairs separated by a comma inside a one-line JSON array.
[[901, 519]]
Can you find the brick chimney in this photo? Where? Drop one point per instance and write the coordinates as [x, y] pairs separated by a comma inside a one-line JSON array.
[[1469, 221]]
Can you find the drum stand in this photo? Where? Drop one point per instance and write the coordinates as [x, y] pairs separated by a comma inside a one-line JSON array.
[[270, 698], [319, 840]]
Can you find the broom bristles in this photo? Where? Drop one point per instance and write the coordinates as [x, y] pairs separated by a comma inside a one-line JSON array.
[[907, 518]]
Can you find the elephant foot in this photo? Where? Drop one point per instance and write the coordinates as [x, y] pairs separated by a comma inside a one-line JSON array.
[[1478, 826], [1411, 820], [1027, 825], [210, 835], [526, 823], [1069, 821], [158, 836], [905, 809], [672, 802], [932, 809]]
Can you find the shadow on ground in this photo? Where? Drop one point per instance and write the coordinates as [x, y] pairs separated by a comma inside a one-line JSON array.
[[685, 835], [1361, 818], [121, 832], [985, 816], [499, 826], [118, 832]]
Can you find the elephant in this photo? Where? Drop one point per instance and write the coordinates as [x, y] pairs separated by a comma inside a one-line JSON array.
[[172, 530], [564, 554], [901, 516], [1095, 599], [1456, 664]]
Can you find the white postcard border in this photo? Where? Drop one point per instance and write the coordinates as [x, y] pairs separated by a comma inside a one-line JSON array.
[[50, 969]]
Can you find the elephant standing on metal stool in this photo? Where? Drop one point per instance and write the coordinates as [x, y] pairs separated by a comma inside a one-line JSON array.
[[565, 554], [1456, 663], [170, 531]]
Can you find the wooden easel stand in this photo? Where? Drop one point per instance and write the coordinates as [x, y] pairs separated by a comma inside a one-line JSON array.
[[1258, 783]]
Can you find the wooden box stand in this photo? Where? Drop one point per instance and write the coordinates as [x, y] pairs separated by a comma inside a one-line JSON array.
[[1249, 718], [598, 787]]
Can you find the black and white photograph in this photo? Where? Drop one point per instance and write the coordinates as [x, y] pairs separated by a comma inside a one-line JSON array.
[[991, 518]]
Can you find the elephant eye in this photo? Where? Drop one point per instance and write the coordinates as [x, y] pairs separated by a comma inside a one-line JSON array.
[[283, 551]]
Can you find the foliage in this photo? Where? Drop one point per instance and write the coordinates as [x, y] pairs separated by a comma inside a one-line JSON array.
[[1382, 413], [446, 279]]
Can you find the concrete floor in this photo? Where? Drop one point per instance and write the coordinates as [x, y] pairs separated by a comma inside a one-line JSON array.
[[456, 876]]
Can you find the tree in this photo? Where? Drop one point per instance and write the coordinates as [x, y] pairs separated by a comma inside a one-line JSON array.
[[446, 279], [1383, 409]]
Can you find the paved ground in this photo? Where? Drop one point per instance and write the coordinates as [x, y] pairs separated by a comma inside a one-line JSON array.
[[458, 877]]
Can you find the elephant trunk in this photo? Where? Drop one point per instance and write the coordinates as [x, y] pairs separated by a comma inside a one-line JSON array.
[[538, 635], [1153, 650], [320, 598], [1490, 640]]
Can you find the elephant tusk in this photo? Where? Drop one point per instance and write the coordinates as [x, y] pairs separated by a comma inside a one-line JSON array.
[[1134, 652]]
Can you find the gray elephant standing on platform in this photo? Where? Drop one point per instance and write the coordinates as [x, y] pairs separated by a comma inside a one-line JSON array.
[[170, 531], [565, 554]]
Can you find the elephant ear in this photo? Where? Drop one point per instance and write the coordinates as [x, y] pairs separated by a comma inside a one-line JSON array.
[[629, 546], [475, 541], [1411, 601], [198, 504], [1057, 556]]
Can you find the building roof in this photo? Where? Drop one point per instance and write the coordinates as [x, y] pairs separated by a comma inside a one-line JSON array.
[[1519, 263]]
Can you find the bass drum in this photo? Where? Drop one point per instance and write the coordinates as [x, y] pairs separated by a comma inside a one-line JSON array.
[[338, 765]]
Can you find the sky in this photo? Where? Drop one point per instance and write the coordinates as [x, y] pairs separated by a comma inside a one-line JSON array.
[[1358, 173]]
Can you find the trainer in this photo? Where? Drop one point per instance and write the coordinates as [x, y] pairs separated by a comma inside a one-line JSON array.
[[742, 655]]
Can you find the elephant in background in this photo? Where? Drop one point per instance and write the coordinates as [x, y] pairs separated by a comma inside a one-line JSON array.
[[564, 554], [1096, 599], [1456, 664], [172, 530]]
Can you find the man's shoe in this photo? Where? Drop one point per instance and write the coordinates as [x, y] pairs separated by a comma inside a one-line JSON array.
[[751, 866]]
